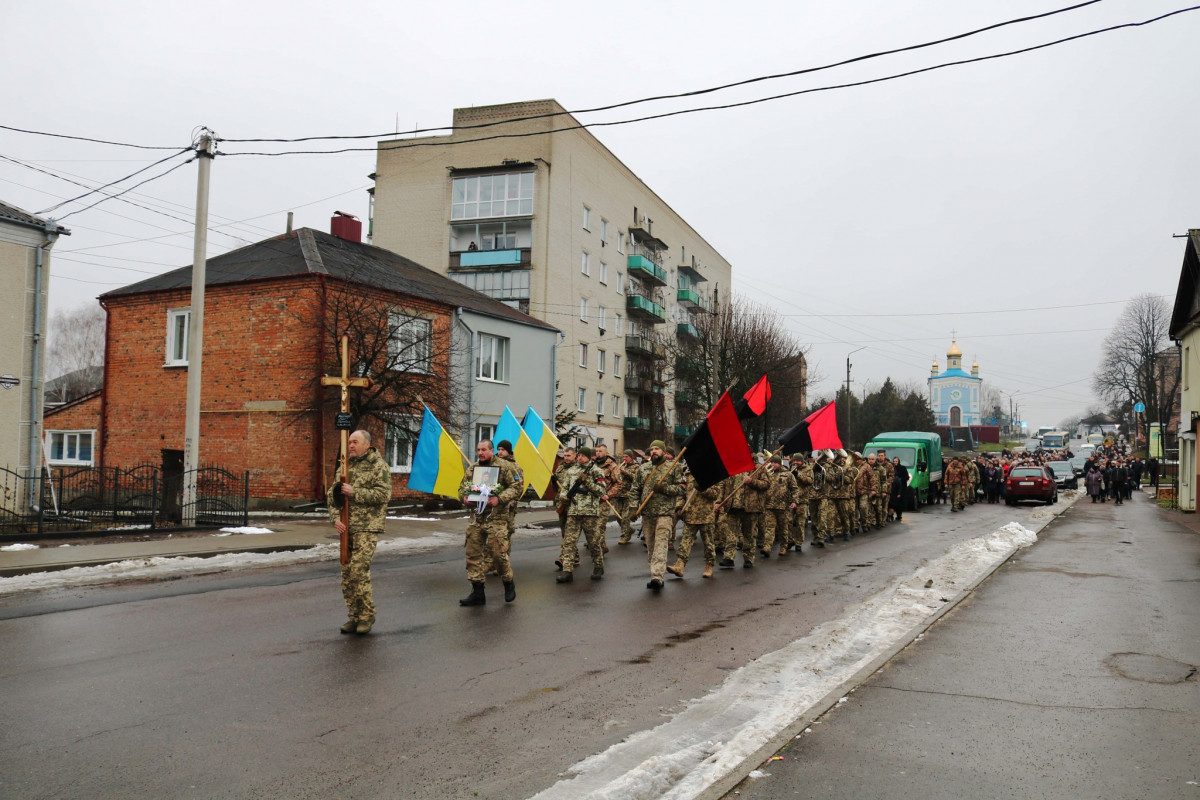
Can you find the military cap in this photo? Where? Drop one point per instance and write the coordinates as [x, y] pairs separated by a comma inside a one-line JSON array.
[[776, 460], [659, 443], [584, 450], [629, 453]]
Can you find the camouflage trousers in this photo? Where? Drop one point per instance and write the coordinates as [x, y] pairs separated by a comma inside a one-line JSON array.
[[356, 575], [958, 495], [844, 510], [512, 529], [881, 508], [777, 528], [707, 533], [657, 531], [825, 523], [625, 508], [592, 530], [741, 531], [487, 545], [799, 520], [866, 510]]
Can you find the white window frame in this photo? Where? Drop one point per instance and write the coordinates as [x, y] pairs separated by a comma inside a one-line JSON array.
[[394, 435], [583, 354], [70, 445], [604, 273], [583, 309], [492, 358], [173, 339], [616, 405], [617, 364], [599, 402], [408, 331], [601, 317], [585, 263], [601, 360], [587, 219], [485, 432], [621, 242], [581, 400], [620, 284], [603, 229]]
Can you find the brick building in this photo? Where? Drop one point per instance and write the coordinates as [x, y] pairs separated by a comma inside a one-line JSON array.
[[272, 315]]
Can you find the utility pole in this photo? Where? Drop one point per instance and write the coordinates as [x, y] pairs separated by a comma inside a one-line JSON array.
[[849, 426], [205, 151]]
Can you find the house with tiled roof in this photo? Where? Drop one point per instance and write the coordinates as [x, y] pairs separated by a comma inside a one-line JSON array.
[[274, 312]]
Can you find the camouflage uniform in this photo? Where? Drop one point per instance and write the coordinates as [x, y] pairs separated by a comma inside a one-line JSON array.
[[824, 516], [841, 479], [699, 518], [372, 482], [583, 487], [512, 516], [956, 478], [779, 501], [802, 469], [744, 519], [866, 492], [659, 478], [884, 486], [630, 477], [976, 477], [488, 532]]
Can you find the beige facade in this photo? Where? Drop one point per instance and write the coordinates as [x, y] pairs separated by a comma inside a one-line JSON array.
[[555, 224], [25, 243]]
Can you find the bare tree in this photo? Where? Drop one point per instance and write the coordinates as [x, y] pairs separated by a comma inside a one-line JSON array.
[[1139, 363], [76, 344]]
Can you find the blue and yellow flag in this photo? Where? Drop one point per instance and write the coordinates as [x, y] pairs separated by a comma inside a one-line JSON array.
[[525, 453], [437, 466], [542, 436]]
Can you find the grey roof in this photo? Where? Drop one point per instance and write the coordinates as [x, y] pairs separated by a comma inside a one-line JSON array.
[[1187, 294], [310, 252], [74, 385], [20, 216]]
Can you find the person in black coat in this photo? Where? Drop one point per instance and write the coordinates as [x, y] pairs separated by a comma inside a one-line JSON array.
[[1152, 469], [993, 476], [899, 491]]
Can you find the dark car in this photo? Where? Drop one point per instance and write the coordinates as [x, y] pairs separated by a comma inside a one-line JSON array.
[[1079, 464], [1031, 483], [1064, 474]]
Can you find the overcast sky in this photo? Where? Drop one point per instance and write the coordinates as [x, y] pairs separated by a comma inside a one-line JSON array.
[[1019, 201]]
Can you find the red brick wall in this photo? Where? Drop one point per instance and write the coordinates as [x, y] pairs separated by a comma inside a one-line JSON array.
[[82, 415], [259, 402]]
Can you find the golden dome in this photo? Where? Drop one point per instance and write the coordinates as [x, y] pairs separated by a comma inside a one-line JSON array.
[[954, 351]]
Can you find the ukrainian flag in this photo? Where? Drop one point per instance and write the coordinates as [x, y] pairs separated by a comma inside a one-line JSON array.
[[537, 471], [437, 466], [542, 436]]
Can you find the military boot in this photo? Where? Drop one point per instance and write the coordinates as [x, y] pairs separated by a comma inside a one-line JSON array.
[[364, 626], [475, 598], [349, 625], [510, 591], [597, 573], [566, 577], [676, 568], [707, 571]]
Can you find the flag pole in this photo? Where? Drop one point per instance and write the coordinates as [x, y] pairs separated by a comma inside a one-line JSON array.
[[674, 464], [757, 469]]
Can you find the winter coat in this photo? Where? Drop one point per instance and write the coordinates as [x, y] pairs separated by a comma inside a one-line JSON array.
[[1094, 482], [372, 482]]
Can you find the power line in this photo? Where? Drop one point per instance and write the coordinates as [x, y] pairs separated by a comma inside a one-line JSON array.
[[852, 84], [692, 93], [130, 189], [88, 139], [111, 183]]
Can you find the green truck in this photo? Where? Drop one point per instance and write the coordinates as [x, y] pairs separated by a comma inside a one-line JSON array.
[[920, 452]]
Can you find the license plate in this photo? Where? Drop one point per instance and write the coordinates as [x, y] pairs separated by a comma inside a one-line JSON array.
[[1025, 483]]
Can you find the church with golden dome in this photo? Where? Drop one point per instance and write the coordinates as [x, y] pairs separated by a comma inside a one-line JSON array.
[[954, 393]]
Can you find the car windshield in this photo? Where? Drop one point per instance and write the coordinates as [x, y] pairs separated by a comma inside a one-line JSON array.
[[1027, 472], [908, 455], [1078, 463], [1060, 466]]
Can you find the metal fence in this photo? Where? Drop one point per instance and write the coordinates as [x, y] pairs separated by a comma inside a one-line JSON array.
[[114, 500]]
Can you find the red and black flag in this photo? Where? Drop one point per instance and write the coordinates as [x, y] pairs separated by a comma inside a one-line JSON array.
[[718, 447], [817, 431], [754, 402]]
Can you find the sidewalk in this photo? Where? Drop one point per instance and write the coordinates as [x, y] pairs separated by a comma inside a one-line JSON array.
[[286, 533], [1071, 672]]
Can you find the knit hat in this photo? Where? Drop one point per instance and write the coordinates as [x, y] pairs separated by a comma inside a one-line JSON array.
[[586, 451], [776, 459], [659, 443], [629, 453], [504, 444]]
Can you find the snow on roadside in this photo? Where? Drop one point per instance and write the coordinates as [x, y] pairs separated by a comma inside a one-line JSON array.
[[250, 530], [717, 732], [13, 548], [161, 567]]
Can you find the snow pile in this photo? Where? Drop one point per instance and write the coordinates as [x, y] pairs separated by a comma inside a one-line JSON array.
[[13, 548], [716, 733], [161, 567], [250, 530]]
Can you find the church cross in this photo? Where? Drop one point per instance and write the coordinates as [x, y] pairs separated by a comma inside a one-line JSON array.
[[344, 381]]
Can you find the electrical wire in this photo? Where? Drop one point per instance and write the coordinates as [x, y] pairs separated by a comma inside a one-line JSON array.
[[88, 139], [692, 93], [130, 189], [853, 84], [111, 183]]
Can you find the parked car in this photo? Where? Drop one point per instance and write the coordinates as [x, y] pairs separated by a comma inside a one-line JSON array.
[[1030, 483], [1064, 474], [1079, 464]]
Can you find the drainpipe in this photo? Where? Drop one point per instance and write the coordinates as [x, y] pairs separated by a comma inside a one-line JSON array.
[[562, 337], [35, 384], [458, 312]]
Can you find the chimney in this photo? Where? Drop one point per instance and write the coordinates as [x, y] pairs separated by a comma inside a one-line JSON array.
[[346, 226]]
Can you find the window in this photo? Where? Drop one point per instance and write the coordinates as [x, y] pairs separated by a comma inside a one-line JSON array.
[[491, 362], [179, 323], [603, 229], [604, 273], [398, 445], [583, 309], [485, 432], [616, 406], [587, 218], [620, 242], [70, 447], [601, 358], [616, 368], [410, 343], [629, 407], [585, 265], [620, 286], [482, 196], [617, 324], [509, 284], [601, 317], [583, 354], [582, 400], [599, 403]]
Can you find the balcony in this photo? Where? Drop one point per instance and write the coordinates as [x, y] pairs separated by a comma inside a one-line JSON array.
[[645, 309], [684, 431], [641, 266], [683, 329], [644, 346], [476, 259], [637, 424], [689, 298], [685, 398], [639, 384]]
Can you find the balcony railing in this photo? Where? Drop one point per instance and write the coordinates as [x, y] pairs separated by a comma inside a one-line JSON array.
[[643, 266], [687, 329], [645, 309], [475, 259], [638, 383], [644, 346], [684, 431], [637, 424], [689, 298], [686, 399]]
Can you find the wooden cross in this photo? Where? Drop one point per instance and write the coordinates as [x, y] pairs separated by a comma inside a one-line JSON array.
[[344, 381]]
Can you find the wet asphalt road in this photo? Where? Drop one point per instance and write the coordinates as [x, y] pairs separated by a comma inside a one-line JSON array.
[[1071, 673], [239, 685]]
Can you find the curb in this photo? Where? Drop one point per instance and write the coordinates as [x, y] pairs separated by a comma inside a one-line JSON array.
[[33, 569]]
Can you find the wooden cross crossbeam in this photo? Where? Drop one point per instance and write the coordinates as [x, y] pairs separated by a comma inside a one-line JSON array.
[[344, 381]]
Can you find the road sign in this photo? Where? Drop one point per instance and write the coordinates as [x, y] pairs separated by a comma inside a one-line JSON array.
[[1140, 408]]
